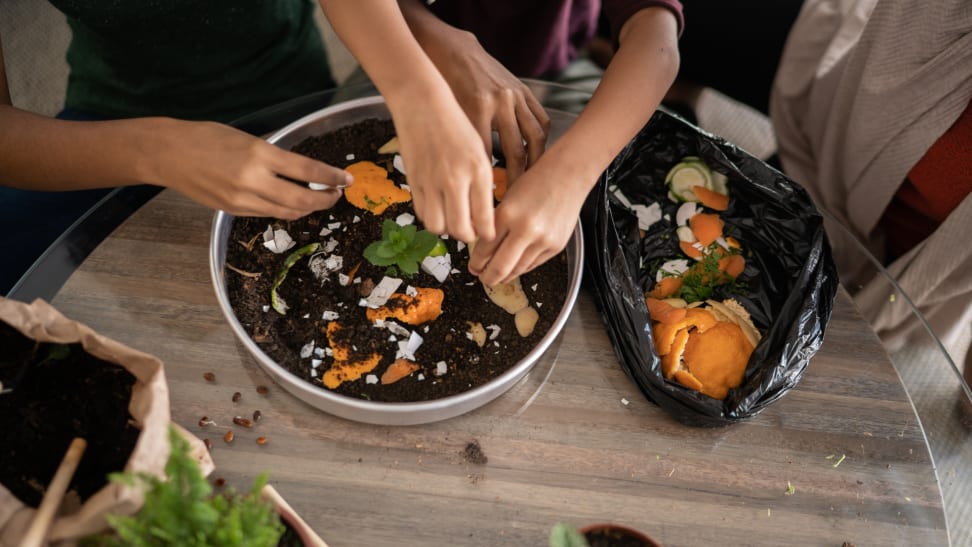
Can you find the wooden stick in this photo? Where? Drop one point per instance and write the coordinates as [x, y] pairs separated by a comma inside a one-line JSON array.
[[55, 493], [307, 534]]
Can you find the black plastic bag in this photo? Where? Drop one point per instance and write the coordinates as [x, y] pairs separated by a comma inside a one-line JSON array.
[[790, 276]]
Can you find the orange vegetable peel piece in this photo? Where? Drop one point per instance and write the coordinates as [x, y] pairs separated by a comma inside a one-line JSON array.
[[425, 306], [372, 190], [706, 227], [343, 369], [666, 287], [711, 199], [398, 370], [499, 183]]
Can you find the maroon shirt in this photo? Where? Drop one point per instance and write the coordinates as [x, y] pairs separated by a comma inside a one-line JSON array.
[[534, 38]]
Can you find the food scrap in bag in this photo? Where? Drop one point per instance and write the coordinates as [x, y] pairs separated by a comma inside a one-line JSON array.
[[711, 271], [704, 344]]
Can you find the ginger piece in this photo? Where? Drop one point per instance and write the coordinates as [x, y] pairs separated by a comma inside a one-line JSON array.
[[509, 296], [477, 333], [526, 321]]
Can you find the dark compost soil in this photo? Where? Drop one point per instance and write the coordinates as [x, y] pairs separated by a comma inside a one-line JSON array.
[[64, 392], [613, 537], [283, 336]]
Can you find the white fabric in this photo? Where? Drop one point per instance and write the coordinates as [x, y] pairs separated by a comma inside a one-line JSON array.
[[864, 88]]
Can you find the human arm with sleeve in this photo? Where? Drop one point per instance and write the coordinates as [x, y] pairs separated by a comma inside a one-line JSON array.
[[213, 164], [538, 213]]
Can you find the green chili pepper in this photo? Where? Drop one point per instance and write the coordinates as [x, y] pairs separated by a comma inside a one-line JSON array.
[[276, 301]]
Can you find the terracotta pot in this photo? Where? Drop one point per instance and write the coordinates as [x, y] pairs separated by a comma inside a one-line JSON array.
[[620, 533]]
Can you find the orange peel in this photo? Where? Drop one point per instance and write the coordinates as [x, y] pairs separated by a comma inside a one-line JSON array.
[[348, 371], [398, 370], [717, 358], [499, 183], [372, 190], [425, 306]]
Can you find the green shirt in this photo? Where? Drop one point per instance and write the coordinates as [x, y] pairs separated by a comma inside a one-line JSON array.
[[191, 59]]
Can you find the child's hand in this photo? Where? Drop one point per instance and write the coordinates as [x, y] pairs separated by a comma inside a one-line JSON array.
[[534, 222], [494, 99]]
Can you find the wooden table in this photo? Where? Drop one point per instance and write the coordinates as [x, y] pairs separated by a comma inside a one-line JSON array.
[[841, 458]]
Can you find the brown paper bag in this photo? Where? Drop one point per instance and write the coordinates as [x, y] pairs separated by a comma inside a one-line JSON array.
[[149, 406]]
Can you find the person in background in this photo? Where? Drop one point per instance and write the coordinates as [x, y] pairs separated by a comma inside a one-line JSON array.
[[872, 108], [458, 71], [150, 89]]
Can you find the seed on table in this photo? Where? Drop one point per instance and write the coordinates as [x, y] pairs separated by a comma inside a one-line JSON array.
[[241, 421], [209, 444], [229, 436], [209, 376], [204, 421], [257, 415], [236, 397], [262, 390], [219, 482], [261, 441]]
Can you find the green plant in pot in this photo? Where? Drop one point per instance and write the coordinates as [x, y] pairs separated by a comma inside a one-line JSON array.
[[183, 510]]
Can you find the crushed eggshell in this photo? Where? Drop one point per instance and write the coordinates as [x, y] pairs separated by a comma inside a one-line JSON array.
[[405, 219], [382, 292], [407, 348], [277, 241], [399, 164], [437, 266], [441, 368]]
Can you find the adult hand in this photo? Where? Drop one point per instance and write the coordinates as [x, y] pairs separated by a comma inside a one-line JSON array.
[[224, 168], [448, 173], [493, 99], [533, 223]]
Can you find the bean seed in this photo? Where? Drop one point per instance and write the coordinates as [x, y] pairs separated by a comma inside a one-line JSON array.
[[257, 415], [241, 421], [261, 441], [228, 437], [204, 421], [262, 390], [236, 397], [209, 444], [209, 376], [219, 482]]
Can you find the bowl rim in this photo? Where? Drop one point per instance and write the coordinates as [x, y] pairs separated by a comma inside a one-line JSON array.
[[413, 412]]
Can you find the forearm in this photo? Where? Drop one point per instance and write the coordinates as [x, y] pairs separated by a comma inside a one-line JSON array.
[[41, 153], [633, 86], [377, 35], [437, 38]]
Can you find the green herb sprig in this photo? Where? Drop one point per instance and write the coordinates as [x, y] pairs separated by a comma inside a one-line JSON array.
[[182, 510], [402, 246]]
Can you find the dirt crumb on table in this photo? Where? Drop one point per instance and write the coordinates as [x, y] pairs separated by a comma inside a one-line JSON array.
[[474, 454]]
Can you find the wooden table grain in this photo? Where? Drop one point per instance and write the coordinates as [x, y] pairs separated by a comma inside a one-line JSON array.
[[841, 458]]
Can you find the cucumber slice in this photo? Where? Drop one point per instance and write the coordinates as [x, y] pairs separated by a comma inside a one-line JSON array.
[[720, 183], [687, 174]]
